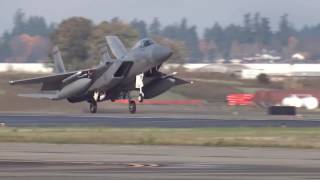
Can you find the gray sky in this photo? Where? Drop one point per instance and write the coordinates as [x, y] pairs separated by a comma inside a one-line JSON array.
[[202, 13]]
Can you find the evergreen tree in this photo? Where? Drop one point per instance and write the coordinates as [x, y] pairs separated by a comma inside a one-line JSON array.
[[141, 27], [34, 25], [115, 20], [37, 26], [215, 35], [248, 34], [262, 30], [266, 33], [19, 23], [171, 31], [285, 30], [192, 42], [232, 33], [257, 29], [5, 50], [182, 32], [155, 27]]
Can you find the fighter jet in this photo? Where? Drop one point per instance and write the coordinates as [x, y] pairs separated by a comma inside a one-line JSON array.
[[114, 78]]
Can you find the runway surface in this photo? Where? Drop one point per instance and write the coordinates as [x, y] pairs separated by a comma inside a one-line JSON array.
[[132, 121], [97, 162]]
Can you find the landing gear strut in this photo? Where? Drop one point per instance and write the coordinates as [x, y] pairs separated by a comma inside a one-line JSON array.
[[139, 85], [93, 107], [93, 103], [131, 103], [132, 107], [141, 97]]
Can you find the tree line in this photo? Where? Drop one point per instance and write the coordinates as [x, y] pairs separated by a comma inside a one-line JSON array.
[[28, 40], [253, 36], [81, 40]]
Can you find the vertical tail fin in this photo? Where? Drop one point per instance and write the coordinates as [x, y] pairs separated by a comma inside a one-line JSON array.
[[105, 56], [116, 46], [58, 62]]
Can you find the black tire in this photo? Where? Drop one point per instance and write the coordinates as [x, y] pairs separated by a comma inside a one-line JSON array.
[[140, 98], [132, 107], [93, 108]]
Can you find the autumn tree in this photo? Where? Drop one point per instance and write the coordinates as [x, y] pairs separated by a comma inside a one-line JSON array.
[[34, 27], [71, 36]]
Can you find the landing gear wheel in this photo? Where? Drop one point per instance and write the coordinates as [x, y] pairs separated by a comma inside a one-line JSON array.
[[93, 108], [141, 98], [132, 107]]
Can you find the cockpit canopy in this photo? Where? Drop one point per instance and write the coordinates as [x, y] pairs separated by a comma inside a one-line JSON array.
[[143, 43]]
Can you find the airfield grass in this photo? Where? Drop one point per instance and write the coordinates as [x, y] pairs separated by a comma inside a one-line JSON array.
[[221, 137]]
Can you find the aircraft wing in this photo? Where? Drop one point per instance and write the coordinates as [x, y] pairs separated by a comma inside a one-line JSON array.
[[116, 46], [45, 79], [55, 82]]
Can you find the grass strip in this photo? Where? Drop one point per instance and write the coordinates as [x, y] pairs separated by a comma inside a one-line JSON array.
[[221, 137]]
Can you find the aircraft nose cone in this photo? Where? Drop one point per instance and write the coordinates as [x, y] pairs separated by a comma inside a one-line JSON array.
[[161, 53]]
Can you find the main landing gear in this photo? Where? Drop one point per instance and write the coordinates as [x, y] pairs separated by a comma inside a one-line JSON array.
[[93, 107], [131, 104], [132, 107], [95, 97]]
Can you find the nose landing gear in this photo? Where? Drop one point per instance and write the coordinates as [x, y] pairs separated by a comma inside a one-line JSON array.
[[141, 97], [139, 85]]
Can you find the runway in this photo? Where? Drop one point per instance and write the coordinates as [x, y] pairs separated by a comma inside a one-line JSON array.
[[133, 121], [117, 162], [97, 162]]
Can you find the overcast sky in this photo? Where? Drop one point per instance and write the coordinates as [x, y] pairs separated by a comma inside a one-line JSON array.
[[202, 13]]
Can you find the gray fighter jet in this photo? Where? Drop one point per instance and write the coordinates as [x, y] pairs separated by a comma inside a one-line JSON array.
[[114, 78]]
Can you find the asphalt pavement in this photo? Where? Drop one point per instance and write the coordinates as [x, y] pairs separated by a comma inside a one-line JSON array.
[[132, 121], [112, 162]]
